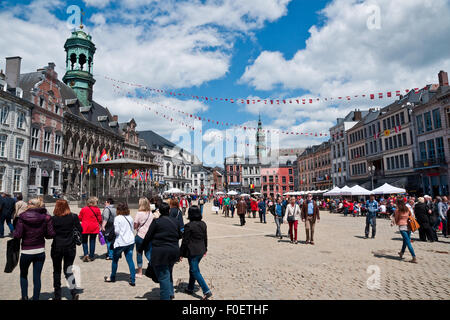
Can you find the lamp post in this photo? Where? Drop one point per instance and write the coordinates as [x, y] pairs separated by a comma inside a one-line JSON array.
[[371, 169]]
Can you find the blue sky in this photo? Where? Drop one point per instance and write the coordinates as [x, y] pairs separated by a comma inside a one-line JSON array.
[[239, 49]]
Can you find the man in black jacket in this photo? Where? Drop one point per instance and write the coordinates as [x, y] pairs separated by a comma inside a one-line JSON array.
[[7, 207], [421, 211]]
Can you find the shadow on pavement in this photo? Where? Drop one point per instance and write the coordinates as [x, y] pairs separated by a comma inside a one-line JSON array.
[[65, 293], [151, 295], [385, 256], [181, 286]]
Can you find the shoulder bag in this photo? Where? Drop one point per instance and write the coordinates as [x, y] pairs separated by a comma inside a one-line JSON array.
[[292, 217], [101, 238], [413, 225]]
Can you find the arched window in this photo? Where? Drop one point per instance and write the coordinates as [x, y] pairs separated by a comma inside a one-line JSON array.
[[82, 60], [90, 64], [73, 60]]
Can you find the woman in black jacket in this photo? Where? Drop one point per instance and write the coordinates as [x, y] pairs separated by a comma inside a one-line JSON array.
[[194, 247], [63, 246], [164, 234]]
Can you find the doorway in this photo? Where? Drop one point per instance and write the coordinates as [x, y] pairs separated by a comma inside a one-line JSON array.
[[44, 184]]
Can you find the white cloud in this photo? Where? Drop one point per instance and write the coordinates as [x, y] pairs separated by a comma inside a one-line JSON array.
[[344, 56], [97, 3]]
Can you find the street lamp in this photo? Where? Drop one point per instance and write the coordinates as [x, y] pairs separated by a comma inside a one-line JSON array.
[[371, 169]]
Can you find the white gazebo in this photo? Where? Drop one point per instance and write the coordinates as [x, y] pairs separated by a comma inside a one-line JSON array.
[[388, 189]]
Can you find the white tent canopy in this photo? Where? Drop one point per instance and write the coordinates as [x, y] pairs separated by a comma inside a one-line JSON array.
[[360, 191], [333, 192], [345, 191], [173, 190], [220, 192], [256, 193], [245, 195], [232, 193], [388, 189]]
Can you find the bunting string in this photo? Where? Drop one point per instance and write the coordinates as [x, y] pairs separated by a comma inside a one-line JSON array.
[[215, 122], [271, 101]]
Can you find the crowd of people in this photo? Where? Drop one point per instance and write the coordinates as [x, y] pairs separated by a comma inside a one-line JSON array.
[[156, 232], [158, 228]]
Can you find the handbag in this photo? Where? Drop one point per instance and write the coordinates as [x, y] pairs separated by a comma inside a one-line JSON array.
[[413, 225], [292, 217], [12, 254], [101, 238], [76, 233]]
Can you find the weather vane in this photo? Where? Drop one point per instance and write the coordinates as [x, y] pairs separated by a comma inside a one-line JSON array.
[[81, 24]]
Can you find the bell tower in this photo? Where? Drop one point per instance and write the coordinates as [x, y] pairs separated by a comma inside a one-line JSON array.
[[80, 52], [260, 141]]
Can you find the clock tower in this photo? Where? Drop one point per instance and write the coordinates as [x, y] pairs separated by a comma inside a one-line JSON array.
[[80, 52]]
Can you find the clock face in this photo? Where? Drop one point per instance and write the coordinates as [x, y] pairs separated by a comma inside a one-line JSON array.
[[72, 83]]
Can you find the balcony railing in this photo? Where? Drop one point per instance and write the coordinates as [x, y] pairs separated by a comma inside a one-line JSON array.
[[430, 162]]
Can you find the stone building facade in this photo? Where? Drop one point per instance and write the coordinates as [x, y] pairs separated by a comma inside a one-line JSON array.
[[432, 147], [15, 120]]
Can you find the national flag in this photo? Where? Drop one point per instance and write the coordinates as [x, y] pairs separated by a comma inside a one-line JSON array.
[[111, 173], [372, 96], [397, 93], [109, 157], [95, 171], [380, 95], [90, 161], [81, 171], [122, 154], [103, 156], [151, 175], [104, 172], [389, 94]]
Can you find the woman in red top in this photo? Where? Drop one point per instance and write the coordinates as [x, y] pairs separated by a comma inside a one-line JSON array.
[[91, 219], [254, 207]]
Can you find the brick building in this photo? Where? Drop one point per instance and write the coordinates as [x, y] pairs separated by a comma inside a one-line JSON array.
[[43, 89]]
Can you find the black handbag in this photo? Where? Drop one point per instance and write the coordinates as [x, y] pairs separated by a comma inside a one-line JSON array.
[[150, 273], [76, 233], [12, 254]]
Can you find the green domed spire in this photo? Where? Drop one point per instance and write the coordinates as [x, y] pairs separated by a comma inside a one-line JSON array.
[[80, 52]]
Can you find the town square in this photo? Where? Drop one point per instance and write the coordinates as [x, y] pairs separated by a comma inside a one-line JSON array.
[[224, 150]]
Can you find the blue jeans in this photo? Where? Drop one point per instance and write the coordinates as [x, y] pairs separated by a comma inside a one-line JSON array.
[[38, 263], [164, 274], [6, 218], [194, 274], [84, 241], [406, 235], [128, 252], [109, 249], [148, 252], [278, 222], [371, 220]]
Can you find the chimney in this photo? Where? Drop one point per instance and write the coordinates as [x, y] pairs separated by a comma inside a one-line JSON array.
[[13, 71], [443, 78], [116, 118], [357, 115]]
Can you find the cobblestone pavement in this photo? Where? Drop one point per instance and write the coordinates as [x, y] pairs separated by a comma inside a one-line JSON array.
[[250, 263]]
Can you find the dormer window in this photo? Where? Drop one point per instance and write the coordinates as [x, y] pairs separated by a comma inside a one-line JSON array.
[[41, 101], [56, 108]]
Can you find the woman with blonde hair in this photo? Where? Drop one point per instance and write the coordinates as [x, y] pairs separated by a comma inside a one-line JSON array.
[[91, 219], [142, 221], [63, 246]]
